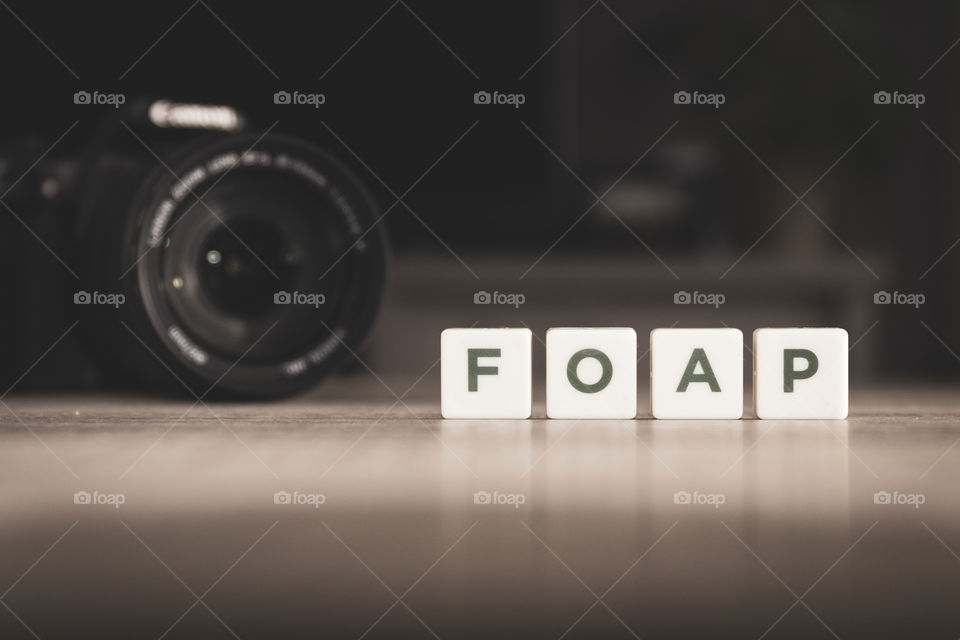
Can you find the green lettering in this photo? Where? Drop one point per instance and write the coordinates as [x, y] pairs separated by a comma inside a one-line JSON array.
[[605, 376], [690, 374], [790, 374], [474, 370]]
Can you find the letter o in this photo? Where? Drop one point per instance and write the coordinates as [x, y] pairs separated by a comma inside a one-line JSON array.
[[605, 376]]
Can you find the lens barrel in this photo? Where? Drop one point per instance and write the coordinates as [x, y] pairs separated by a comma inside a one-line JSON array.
[[252, 266]]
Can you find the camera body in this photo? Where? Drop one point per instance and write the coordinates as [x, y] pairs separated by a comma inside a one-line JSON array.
[[177, 248]]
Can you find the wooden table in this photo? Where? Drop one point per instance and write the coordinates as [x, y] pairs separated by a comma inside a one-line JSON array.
[[589, 540]]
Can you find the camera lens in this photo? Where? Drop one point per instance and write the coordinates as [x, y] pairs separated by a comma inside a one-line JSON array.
[[241, 266], [259, 266]]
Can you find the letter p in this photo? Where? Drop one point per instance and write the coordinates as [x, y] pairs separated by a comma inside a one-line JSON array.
[[790, 374]]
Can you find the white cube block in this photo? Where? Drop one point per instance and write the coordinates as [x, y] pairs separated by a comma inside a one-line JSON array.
[[800, 373], [485, 373], [592, 373], [696, 373]]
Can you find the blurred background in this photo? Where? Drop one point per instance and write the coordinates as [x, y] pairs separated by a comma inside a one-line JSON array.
[[630, 152], [597, 163]]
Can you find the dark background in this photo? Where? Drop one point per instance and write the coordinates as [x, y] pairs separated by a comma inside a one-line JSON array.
[[801, 547], [599, 82]]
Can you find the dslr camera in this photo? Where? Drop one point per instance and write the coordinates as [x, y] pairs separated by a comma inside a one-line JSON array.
[[176, 246]]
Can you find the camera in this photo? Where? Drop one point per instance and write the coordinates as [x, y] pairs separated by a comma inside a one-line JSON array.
[[158, 250]]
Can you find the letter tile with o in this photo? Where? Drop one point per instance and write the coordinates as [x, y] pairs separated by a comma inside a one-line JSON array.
[[592, 373]]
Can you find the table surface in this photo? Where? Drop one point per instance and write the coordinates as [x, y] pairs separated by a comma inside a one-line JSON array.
[[583, 535]]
